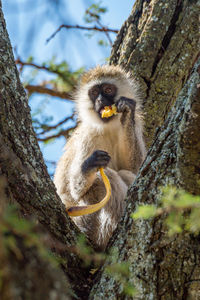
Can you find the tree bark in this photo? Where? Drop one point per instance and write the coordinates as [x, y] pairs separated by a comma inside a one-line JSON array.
[[162, 268], [158, 44], [22, 164]]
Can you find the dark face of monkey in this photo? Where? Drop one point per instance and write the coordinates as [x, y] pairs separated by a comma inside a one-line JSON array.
[[102, 95]]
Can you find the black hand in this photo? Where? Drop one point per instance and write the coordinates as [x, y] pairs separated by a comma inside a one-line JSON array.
[[98, 159], [125, 105]]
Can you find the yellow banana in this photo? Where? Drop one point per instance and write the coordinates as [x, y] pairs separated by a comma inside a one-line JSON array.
[[108, 111], [75, 211]]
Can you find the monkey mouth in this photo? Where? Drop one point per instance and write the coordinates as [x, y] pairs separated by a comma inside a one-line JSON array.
[[104, 119], [103, 108], [101, 112]]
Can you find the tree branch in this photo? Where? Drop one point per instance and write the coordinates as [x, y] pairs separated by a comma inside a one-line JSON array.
[[95, 28], [101, 25], [64, 133], [43, 90], [188, 164], [57, 125], [48, 69], [18, 61]]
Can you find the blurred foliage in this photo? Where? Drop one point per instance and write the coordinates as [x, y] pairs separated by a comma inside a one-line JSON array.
[[87, 253], [103, 43], [120, 271], [180, 210], [66, 79], [93, 15], [94, 12], [15, 230]]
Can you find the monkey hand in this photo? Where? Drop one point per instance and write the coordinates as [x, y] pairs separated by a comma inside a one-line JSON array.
[[96, 160], [125, 105]]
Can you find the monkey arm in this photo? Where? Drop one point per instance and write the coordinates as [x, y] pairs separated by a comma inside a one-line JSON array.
[[131, 121], [127, 176], [80, 182], [75, 211], [83, 172]]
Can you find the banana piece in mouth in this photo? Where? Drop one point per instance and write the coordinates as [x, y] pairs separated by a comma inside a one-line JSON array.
[[108, 111]]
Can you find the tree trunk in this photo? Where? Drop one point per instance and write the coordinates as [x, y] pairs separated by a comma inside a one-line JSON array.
[[162, 268], [158, 44], [22, 164]]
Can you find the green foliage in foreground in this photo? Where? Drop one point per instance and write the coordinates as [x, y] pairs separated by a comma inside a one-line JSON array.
[[14, 228], [120, 271], [180, 209]]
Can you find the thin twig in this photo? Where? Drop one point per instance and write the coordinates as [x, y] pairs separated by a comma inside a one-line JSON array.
[[50, 162], [101, 26], [18, 61], [106, 33], [64, 133], [94, 28], [57, 125]]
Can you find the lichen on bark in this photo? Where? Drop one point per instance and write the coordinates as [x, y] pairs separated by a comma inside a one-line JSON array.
[[158, 44], [161, 267]]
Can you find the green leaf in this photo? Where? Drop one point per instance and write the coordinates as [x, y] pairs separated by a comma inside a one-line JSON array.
[[175, 222], [192, 222], [129, 289], [30, 59], [145, 212]]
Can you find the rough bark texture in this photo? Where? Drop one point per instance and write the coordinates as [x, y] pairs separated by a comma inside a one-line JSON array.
[[158, 44], [21, 161], [162, 268]]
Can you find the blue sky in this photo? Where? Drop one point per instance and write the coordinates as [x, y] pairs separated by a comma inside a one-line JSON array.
[[31, 22]]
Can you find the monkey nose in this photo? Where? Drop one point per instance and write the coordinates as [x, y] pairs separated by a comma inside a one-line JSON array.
[[104, 101]]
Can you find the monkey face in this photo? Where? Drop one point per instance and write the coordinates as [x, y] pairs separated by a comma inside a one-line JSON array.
[[102, 95]]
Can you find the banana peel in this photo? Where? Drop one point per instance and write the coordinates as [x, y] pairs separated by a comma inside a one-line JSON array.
[[75, 211]]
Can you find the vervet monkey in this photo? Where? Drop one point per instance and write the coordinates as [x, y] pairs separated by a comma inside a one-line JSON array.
[[115, 143]]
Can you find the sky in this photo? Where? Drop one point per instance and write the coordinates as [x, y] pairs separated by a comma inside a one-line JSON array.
[[31, 22]]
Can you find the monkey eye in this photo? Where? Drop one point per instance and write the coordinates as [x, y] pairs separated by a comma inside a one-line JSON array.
[[95, 91], [109, 89]]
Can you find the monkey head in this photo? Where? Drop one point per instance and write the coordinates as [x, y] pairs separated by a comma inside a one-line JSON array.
[[102, 95], [100, 87]]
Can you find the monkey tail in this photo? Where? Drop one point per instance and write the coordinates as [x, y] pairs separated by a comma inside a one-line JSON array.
[[75, 211]]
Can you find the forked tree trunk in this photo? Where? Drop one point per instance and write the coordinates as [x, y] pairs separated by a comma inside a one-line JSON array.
[[158, 43]]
